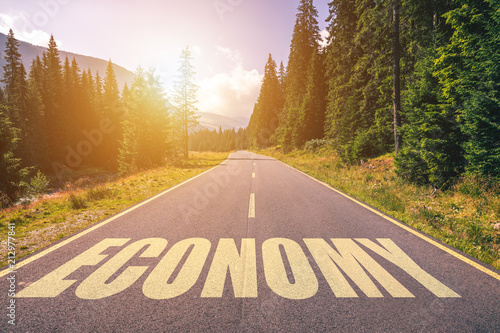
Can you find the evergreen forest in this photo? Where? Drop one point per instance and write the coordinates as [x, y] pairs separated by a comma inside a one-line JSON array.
[[424, 74]]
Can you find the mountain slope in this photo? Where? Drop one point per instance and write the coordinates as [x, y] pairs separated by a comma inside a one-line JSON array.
[[213, 121], [29, 52]]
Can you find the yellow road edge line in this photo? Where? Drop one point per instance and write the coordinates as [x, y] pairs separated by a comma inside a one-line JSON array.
[[39, 255], [251, 206], [407, 228]]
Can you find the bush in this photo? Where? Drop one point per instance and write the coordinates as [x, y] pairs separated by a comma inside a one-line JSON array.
[[77, 202], [316, 144], [38, 185]]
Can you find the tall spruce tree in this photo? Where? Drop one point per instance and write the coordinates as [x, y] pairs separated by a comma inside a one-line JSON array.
[[432, 150], [304, 43], [264, 120], [23, 114], [56, 119], [360, 112], [146, 129], [11, 71], [69, 106], [37, 128], [312, 113], [185, 100], [11, 173], [342, 56], [282, 77], [112, 110], [469, 72]]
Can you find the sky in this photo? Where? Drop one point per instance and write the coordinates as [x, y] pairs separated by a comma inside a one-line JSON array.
[[230, 40]]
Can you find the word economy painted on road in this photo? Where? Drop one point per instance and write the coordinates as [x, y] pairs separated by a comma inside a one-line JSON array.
[[177, 271]]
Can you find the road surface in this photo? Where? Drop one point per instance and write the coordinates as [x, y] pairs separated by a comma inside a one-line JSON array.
[[252, 245]]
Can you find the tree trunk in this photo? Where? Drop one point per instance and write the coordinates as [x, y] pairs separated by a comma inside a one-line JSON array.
[[397, 76]]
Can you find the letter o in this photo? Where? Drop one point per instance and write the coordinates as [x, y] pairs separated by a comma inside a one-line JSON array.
[[156, 286], [306, 283]]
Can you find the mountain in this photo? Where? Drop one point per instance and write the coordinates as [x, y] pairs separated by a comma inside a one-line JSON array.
[[29, 52], [213, 121]]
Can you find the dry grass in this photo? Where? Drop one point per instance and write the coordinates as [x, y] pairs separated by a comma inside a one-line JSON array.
[[463, 217]]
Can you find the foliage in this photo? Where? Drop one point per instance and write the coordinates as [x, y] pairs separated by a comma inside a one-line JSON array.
[[38, 185], [264, 120], [218, 141], [77, 202], [185, 100], [316, 144], [12, 175], [432, 151], [147, 127], [304, 44], [469, 73]]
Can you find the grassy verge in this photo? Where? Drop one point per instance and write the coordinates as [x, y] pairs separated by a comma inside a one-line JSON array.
[[63, 213], [462, 217]]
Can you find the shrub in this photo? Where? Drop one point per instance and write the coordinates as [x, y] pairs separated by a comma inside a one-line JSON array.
[[38, 185], [77, 202], [317, 144]]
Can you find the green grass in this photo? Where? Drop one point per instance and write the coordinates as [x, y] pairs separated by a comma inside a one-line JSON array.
[[50, 219], [463, 217]]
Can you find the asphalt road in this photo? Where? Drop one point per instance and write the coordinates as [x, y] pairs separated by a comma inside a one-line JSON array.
[[251, 245]]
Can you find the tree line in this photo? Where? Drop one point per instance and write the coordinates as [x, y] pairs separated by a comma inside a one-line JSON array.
[[58, 118], [218, 141], [449, 76]]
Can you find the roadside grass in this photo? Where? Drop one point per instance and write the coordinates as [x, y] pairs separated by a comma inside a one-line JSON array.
[[77, 206], [463, 216]]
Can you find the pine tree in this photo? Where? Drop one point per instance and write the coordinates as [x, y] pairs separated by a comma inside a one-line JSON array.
[[264, 120], [11, 70], [469, 72], [112, 110], [185, 99], [432, 150], [55, 118], [360, 112], [19, 100], [98, 93], [282, 78], [342, 56], [37, 137], [68, 105], [312, 113], [304, 43], [11, 173], [146, 128]]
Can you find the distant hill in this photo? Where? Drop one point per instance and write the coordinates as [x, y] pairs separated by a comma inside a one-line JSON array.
[[29, 52], [213, 121]]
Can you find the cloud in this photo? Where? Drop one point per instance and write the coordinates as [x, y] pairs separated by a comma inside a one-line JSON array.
[[24, 28], [325, 36], [232, 55], [231, 94]]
